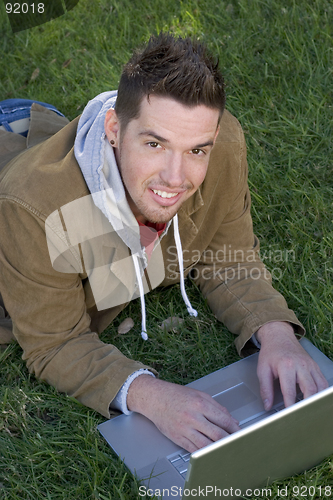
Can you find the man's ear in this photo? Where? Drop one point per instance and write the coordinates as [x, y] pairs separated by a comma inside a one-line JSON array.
[[112, 127]]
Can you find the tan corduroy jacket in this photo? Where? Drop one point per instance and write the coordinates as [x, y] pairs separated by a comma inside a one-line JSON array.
[[54, 316]]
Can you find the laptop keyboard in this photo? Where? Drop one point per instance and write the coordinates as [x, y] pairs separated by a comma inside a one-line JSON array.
[[180, 461], [181, 458]]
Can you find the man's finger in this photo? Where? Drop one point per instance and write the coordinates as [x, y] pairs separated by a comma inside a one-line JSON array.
[[207, 434], [320, 380], [221, 412], [215, 420], [266, 379], [222, 422], [203, 432], [192, 443], [312, 383], [288, 386]]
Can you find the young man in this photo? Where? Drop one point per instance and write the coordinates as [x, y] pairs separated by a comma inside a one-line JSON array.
[[107, 209]]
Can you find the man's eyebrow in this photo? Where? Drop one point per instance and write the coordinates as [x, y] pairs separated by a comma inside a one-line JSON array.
[[162, 139], [208, 143], [152, 134]]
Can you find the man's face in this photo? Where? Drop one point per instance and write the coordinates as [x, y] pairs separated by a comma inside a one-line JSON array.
[[163, 155]]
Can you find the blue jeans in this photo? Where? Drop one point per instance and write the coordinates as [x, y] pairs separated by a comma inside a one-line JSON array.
[[12, 110]]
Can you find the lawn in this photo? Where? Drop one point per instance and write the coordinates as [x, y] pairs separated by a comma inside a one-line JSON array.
[[277, 58]]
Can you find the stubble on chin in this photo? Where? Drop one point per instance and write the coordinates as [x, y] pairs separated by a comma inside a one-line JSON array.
[[159, 216]]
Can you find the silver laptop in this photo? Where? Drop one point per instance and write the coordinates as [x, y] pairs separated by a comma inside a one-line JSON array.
[[270, 445]]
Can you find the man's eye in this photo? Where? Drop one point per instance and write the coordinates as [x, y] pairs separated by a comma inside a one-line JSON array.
[[153, 144], [197, 151]]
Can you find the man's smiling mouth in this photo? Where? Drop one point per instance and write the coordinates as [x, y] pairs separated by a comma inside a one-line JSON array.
[[164, 194]]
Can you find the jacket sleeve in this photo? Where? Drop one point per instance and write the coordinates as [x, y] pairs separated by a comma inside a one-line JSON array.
[[230, 274], [50, 318]]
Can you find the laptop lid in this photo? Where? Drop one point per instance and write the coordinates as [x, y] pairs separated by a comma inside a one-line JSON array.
[[286, 443]]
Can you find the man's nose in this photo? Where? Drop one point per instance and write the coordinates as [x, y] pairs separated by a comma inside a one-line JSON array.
[[173, 173]]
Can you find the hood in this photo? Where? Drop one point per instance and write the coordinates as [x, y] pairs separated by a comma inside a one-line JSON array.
[[98, 165]]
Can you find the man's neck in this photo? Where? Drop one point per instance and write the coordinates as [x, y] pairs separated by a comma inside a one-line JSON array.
[[142, 219]]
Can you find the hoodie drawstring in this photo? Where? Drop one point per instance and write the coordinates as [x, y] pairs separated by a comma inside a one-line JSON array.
[[191, 310], [142, 296]]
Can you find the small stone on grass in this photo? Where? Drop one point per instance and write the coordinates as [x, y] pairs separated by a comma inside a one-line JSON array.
[[125, 326]]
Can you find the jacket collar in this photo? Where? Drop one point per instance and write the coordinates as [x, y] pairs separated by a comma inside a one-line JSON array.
[[192, 204]]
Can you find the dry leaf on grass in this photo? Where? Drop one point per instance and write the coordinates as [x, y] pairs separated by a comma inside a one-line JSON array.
[[34, 75], [66, 63]]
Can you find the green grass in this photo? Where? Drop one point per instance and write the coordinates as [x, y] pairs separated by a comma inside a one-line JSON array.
[[277, 57]]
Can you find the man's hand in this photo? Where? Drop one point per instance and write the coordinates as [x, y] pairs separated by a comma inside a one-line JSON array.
[[190, 418], [281, 356]]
